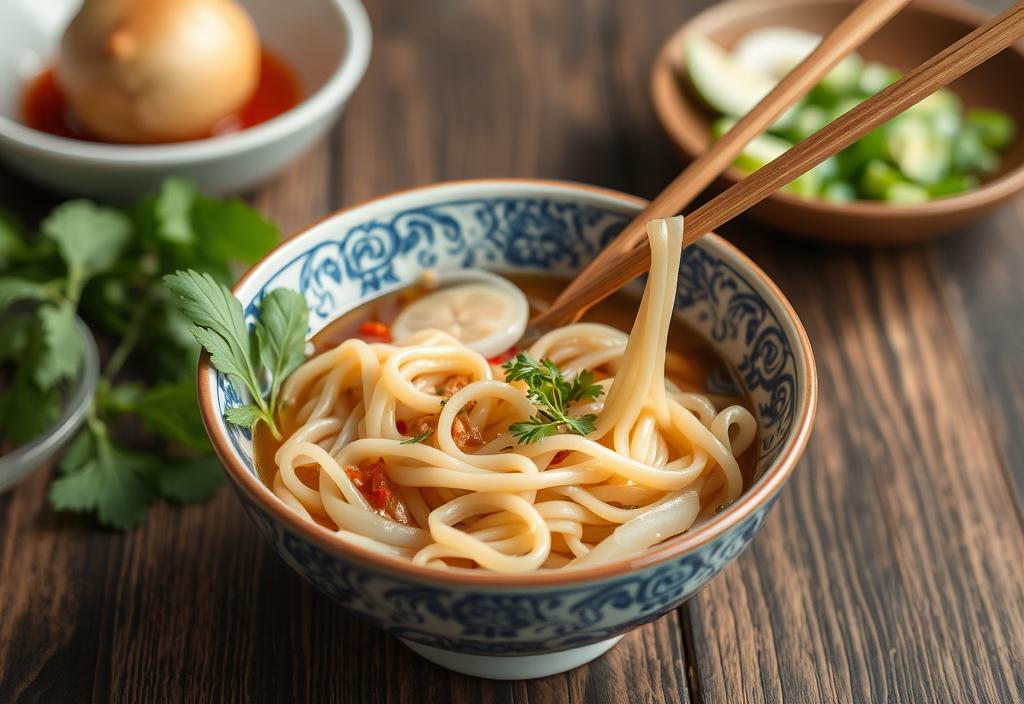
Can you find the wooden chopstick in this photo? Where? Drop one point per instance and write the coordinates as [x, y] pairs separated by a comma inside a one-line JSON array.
[[959, 58], [861, 23]]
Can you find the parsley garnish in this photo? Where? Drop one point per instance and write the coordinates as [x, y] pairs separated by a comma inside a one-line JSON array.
[[272, 351], [422, 437], [552, 394], [143, 438]]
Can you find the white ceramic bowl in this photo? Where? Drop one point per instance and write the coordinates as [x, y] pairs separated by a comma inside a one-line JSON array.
[[529, 625], [326, 43]]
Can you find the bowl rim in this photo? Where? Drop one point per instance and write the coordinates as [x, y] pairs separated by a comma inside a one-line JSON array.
[[354, 26], [666, 111], [752, 500]]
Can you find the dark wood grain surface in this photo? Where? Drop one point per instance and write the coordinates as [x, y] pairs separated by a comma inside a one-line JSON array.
[[892, 569]]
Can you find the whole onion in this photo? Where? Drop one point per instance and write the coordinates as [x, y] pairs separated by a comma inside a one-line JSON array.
[[140, 71]]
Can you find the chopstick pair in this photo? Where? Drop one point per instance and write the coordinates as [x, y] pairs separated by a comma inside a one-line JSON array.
[[629, 256]]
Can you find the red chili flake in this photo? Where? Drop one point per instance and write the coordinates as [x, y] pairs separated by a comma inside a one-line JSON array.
[[356, 475], [402, 427], [375, 330], [504, 356], [559, 456], [380, 492]]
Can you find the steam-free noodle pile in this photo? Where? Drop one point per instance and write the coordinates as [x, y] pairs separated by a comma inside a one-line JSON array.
[[472, 495]]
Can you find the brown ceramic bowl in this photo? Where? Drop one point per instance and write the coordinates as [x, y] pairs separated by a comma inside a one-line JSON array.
[[917, 33]]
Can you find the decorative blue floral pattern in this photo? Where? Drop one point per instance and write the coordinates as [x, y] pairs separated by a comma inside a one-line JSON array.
[[495, 622], [505, 233], [346, 265], [718, 301]]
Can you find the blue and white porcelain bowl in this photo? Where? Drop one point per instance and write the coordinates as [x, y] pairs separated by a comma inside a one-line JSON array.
[[521, 626]]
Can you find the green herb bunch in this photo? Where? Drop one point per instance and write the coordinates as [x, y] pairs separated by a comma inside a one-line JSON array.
[[143, 437], [552, 394]]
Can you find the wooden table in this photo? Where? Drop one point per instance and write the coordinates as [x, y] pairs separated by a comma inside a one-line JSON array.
[[890, 571]]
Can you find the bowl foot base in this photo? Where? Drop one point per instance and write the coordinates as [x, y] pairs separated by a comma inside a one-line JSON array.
[[513, 667]]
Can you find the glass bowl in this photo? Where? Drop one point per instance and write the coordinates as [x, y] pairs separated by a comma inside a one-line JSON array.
[[17, 464]]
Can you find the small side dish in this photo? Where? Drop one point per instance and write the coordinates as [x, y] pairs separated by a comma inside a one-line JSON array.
[[933, 150], [157, 105], [158, 72], [920, 30]]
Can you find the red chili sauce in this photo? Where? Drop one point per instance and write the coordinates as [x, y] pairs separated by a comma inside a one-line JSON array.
[[45, 108]]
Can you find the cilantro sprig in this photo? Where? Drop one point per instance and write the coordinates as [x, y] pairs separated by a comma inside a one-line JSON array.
[[143, 438], [416, 439], [259, 360], [552, 394]]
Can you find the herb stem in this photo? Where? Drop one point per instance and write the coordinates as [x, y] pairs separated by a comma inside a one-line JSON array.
[[267, 405], [73, 286], [275, 386], [129, 339], [95, 424], [272, 424]]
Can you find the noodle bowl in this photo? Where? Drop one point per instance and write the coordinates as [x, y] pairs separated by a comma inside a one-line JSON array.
[[472, 494], [734, 340]]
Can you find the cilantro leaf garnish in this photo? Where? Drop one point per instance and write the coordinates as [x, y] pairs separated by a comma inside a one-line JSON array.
[[273, 350], [245, 416], [62, 349], [173, 210], [190, 480], [13, 289], [12, 245], [211, 218], [169, 410], [25, 409], [281, 335], [143, 439], [89, 238], [102, 477], [552, 394], [422, 437]]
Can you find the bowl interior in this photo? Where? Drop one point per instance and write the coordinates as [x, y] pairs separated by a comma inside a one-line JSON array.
[[919, 31], [528, 226], [307, 34]]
